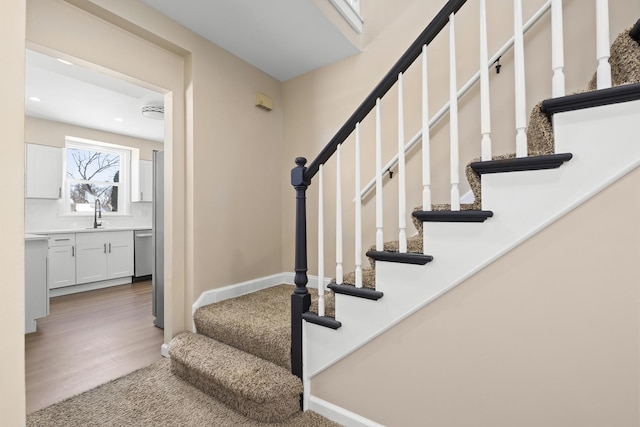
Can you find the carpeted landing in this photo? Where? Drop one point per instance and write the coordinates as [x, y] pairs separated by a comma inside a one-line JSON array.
[[234, 372], [153, 396]]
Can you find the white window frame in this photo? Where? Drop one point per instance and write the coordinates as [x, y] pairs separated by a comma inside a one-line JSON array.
[[124, 179], [350, 11]]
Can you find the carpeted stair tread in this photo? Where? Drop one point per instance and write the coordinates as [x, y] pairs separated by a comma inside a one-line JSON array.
[[414, 245], [153, 396], [539, 132], [252, 386], [441, 207], [624, 61], [368, 278], [368, 281], [625, 69], [256, 323], [329, 302]]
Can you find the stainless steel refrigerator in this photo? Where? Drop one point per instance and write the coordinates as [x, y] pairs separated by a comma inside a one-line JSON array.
[[157, 280]]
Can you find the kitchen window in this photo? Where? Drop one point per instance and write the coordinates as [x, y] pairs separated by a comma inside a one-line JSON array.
[[96, 177]]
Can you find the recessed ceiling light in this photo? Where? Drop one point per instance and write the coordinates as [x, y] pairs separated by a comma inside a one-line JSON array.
[[64, 61], [118, 119], [35, 99]]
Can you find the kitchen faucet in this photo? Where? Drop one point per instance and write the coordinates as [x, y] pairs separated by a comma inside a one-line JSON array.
[[97, 213]]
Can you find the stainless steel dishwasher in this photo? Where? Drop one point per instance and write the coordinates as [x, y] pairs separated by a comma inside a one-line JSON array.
[[143, 253]]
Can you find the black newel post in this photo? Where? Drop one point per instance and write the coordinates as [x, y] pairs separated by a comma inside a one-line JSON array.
[[300, 299]]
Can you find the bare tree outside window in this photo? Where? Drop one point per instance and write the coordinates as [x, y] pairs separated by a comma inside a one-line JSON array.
[[93, 175]]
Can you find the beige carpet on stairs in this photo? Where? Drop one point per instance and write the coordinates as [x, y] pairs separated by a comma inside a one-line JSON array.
[[153, 397], [248, 384], [255, 323], [258, 323]]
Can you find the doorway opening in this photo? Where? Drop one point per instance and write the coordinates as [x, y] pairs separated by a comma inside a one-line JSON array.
[[99, 329]]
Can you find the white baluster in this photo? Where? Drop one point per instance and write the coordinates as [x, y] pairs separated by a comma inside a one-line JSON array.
[[339, 270], [379, 238], [557, 49], [358, 231], [453, 117], [602, 44], [426, 143], [320, 242], [485, 104], [402, 197], [518, 65]]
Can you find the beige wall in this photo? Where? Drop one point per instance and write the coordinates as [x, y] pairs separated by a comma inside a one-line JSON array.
[[236, 167], [318, 103], [12, 30], [233, 162], [549, 335], [47, 132]]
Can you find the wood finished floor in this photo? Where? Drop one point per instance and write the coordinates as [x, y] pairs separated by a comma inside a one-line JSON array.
[[88, 339]]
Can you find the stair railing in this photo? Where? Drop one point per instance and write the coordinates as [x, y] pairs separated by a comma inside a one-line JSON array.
[[558, 85], [302, 175]]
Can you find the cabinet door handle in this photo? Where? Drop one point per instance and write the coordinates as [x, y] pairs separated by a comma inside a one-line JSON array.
[[62, 240], [109, 247], [73, 251], [59, 192], [105, 248], [141, 196]]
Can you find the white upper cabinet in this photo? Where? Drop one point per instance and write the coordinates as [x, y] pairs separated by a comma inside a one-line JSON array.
[[142, 181], [43, 172]]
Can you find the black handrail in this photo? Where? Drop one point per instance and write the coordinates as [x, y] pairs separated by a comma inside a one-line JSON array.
[[301, 175], [405, 61]]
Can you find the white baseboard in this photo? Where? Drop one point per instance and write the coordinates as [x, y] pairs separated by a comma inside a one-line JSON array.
[[67, 290], [338, 414], [243, 288], [164, 351]]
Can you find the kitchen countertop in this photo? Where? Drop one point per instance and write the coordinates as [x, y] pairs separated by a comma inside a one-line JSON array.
[[28, 236], [83, 230]]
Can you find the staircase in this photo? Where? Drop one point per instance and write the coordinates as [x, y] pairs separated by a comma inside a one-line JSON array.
[[248, 351]]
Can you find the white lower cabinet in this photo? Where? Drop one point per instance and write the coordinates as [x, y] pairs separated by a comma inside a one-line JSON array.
[[62, 260], [91, 262], [36, 293], [103, 255], [120, 256]]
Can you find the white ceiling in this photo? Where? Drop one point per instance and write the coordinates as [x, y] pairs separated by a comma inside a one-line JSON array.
[[284, 38], [83, 97]]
